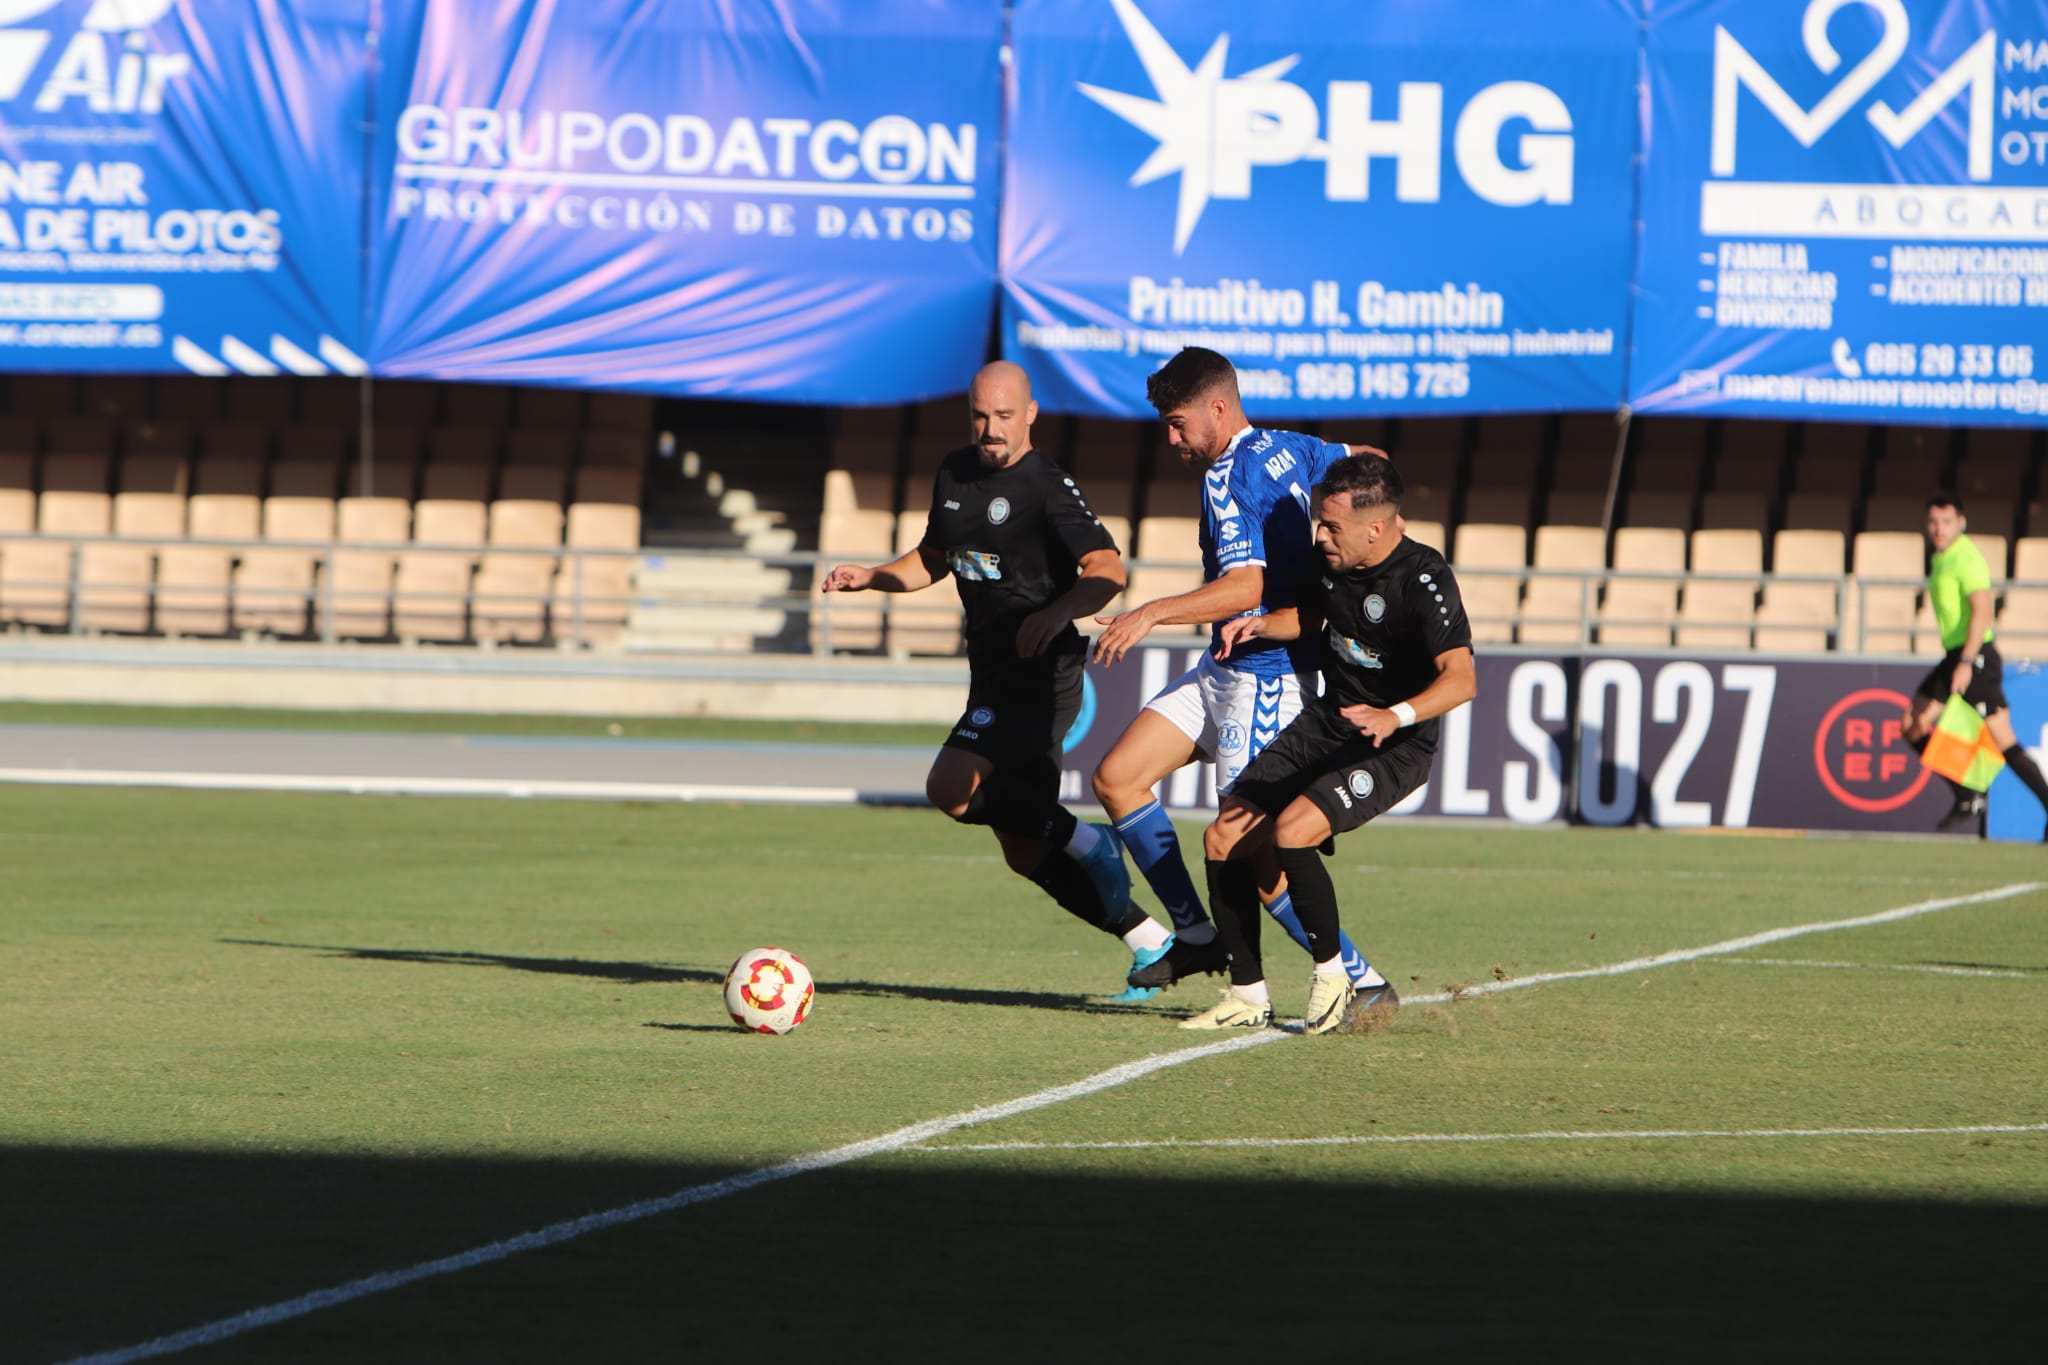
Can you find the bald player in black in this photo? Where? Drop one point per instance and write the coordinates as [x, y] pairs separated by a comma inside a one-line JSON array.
[[1029, 557]]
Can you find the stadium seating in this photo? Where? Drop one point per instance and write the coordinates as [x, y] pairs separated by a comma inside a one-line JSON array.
[[926, 622], [1560, 602], [1637, 610], [1493, 600], [2023, 615], [1800, 617], [194, 578], [592, 590], [1715, 613], [116, 579], [1879, 614], [512, 589], [274, 583]]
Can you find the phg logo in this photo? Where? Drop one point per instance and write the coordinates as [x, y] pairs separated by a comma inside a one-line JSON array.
[[1735, 69], [104, 63], [1214, 129]]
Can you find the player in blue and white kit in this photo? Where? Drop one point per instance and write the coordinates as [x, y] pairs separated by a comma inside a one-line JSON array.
[[1257, 543]]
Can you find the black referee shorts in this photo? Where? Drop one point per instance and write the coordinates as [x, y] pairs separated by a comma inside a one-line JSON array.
[[1323, 757], [1986, 691], [1018, 714]]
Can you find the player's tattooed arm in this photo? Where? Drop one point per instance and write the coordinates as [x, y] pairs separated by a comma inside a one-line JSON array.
[[1238, 591], [1102, 578], [917, 568]]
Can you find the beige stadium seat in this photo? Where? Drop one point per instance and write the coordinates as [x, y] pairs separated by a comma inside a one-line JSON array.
[[487, 406], [266, 399], [35, 577], [42, 395], [848, 492], [17, 495], [614, 449], [857, 527], [1797, 618], [547, 409], [1430, 533], [926, 622], [194, 579], [512, 590], [628, 412], [360, 590], [1818, 512], [1716, 614], [1735, 511], [115, 580], [2023, 614], [430, 592], [594, 588], [1559, 600], [1493, 601], [1638, 611], [1174, 542], [274, 583], [1880, 613]]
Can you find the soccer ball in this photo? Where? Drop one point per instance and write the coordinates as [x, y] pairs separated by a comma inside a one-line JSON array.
[[768, 991]]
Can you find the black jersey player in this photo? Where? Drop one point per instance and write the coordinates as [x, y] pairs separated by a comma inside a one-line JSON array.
[[1029, 556], [1397, 654]]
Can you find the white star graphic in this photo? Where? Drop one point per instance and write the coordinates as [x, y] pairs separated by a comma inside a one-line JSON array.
[[1182, 120]]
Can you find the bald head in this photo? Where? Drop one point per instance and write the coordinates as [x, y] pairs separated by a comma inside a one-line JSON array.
[[1000, 412]]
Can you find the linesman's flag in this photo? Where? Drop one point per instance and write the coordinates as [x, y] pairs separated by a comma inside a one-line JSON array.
[[1961, 748]]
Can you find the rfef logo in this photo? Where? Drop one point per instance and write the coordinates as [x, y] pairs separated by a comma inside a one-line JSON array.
[[1975, 72], [105, 62], [1213, 129], [1861, 753]]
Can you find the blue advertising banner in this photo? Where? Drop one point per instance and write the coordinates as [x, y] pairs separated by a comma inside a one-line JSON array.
[[1401, 207], [792, 202], [1845, 211], [181, 185], [2014, 815]]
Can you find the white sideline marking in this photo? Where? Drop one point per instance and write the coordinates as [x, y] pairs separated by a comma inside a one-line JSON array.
[[432, 786], [1402, 1139], [697, 1194], [917, 1133], [1876, 967]]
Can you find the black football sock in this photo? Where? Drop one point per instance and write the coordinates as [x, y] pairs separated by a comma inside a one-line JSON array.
[[1234, 905], [1315, 901], [1067, 882], [2026, 770]]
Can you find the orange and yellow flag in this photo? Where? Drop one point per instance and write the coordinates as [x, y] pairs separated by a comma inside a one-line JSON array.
[[1961, 748]]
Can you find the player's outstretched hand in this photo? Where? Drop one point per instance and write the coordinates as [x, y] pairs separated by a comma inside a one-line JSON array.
[[1372, 721], [1119, 634], [848, 578], [1236, 631]]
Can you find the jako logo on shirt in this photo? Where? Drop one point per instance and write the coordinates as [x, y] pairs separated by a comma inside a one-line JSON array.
[[103, 62], [1214, 129], [1974, 73]]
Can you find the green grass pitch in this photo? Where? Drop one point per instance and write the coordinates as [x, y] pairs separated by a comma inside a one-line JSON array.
[[261, 1046]]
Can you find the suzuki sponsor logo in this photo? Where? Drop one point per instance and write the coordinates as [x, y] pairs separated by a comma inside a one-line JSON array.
[[105, 62], [1213, 130]]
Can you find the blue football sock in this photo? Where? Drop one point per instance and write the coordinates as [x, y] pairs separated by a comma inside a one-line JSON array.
[[1282, 911], [1148, 835]]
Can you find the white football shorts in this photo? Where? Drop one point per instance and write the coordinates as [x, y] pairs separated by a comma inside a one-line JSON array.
[[1231, 716]]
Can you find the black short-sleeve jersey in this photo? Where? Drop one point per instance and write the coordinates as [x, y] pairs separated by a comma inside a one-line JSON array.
[[1384, 627], [1013, 539]]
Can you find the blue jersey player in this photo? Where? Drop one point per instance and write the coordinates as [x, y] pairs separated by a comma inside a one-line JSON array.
[[1257, 545]]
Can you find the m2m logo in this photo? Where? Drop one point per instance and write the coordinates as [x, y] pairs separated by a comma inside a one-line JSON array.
[[104, 63], [1214, 129], [1734, 69]]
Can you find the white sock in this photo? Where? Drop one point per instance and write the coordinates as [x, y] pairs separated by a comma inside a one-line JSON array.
[[1372, 977], [1084, 841], [1334, 967], [1254, 993], [1196, 935], [1150, 934]]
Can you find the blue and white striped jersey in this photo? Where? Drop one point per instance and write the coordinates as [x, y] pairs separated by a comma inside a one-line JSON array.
[[1255, 510]]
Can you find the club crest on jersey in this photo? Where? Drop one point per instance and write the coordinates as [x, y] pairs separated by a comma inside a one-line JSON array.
[[1229, 737], [1375, 607], [982, 717], [999, 511], [1354, 651], [1361, 783]]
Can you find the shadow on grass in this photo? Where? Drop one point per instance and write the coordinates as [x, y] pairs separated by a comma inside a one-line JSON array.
[[649, 973], [952, 1257]]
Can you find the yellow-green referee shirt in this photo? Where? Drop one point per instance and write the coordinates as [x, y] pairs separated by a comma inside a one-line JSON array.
[[1952, 575]]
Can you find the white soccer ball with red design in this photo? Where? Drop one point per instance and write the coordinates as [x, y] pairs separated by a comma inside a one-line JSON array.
[[768, 991]]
